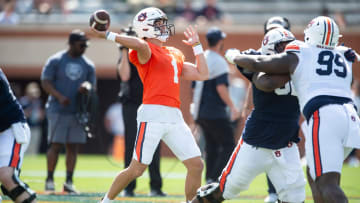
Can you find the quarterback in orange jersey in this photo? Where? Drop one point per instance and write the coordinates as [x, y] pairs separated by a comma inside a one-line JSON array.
[[159, 117]]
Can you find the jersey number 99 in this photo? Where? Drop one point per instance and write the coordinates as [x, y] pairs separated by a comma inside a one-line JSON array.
[[326, 58]]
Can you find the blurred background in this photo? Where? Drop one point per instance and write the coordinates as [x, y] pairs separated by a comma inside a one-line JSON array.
[[32, 30]]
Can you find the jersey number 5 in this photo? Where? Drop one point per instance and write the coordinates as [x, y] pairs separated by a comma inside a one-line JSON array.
[[327, 58]]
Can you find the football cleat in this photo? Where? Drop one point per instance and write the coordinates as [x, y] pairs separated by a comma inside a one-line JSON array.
[[70, 188], [49, 186]]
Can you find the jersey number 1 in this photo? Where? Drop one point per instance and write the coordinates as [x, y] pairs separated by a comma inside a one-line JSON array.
[[174, 65], [327, 58]]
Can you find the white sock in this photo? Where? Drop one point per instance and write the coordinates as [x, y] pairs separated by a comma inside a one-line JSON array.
[[106, 199]]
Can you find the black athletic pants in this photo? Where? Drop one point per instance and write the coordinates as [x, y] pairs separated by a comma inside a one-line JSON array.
[[129, 114], [220, 143]]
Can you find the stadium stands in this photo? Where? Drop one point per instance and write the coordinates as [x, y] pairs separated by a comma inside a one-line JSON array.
[[244, 12]]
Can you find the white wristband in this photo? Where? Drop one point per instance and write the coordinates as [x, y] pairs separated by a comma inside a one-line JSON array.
[[111, 36], [197, 48]]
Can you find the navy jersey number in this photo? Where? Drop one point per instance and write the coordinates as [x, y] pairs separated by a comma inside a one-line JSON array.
[[327, 58]]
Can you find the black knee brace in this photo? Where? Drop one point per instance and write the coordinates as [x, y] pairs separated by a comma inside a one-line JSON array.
[[18, 190], [210, 193]]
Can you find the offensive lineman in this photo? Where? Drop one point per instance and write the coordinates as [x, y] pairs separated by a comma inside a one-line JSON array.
[[159, 117], [14, 140], [322, 79], [271, 23]]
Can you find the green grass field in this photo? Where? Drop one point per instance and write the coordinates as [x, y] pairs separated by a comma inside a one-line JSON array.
[[94, 174]]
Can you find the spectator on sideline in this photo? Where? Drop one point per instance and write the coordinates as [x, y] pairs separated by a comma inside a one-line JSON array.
[[66, 74], [8, 16], [237, 90], [354, 158], [211, 99], [48, 6], [210, 11], [34, 114], [114, 124], [186, 13]]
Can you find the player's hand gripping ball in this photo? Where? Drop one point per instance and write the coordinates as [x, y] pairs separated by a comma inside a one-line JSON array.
[[100, 20]]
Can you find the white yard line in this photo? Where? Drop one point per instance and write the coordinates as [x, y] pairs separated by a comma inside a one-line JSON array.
[[95, 174]]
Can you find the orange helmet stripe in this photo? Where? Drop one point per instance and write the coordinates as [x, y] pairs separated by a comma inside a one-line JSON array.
[[329, 31]]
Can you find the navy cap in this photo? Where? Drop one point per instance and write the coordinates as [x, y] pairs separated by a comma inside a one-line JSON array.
[[77, 35], [214, 34]]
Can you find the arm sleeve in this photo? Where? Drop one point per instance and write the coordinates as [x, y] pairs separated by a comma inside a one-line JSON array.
[[222, 79], [293, 47], [133, 57]]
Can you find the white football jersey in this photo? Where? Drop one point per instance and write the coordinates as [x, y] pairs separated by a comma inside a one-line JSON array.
[[320, 71]]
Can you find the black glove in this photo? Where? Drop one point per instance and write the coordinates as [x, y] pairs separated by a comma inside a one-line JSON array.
[[251, 52], [350, 55]]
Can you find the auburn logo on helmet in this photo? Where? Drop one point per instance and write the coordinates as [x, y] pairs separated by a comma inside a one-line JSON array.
[[266, 40], [310, 24], [286, 34], [142, 17]]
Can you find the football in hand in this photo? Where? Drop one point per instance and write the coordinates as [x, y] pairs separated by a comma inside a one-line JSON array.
[[100, 20]]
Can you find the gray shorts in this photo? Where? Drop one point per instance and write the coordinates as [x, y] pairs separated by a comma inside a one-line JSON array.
[[65, 129]]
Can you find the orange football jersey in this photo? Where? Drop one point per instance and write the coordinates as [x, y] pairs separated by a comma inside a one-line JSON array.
[[160, 75]]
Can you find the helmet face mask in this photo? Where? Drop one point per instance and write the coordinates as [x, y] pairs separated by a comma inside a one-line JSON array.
[[322, 32], [274, 39], [152, 23], [166, 30]]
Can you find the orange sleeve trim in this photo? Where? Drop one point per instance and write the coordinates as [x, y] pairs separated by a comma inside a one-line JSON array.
[[293, 46]]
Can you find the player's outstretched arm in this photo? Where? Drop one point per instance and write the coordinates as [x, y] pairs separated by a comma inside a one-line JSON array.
[[200, 70], [277, 64], [135, 43]]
